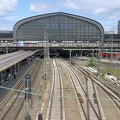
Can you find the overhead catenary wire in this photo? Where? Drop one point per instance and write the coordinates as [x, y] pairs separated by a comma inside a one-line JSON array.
[[72, 97]]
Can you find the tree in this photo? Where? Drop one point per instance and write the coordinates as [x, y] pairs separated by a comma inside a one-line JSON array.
[[92, 62]]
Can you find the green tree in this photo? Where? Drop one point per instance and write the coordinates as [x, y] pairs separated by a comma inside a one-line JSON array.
[[92, 62]]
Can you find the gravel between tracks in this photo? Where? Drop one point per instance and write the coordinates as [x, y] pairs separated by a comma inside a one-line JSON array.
[[110, 111], [41, 86], [70, 102]]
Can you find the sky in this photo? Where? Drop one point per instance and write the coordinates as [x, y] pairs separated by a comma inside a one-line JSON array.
[[106, 12]]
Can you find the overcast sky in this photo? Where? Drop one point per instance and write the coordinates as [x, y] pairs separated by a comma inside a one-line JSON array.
[[107, 12]]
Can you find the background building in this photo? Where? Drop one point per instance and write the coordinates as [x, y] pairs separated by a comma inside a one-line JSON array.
[[6, 36], [61, 28]]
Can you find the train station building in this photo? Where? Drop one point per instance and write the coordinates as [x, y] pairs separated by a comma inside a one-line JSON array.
[[61, 28]]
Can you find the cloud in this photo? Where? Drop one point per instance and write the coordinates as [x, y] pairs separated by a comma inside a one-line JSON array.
[[110, 29], [100, 11], [111, 13], [91, 7], [41, 7], [111, 10], [6, 24], [112, 17], [53, 5], [8, 7], [107, 28], [72, 4]]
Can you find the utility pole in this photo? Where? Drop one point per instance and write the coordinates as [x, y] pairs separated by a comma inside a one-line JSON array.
[[99, 58], [6, 49], [66, 39], [70, 56], [40, 116], [0, 78], [111, 49], [99, 61], [46, 54], [111, 37]]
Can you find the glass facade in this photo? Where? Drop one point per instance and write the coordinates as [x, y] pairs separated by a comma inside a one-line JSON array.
[[60, 27]]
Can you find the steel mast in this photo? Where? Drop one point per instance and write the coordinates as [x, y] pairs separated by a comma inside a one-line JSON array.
[[46, 54]]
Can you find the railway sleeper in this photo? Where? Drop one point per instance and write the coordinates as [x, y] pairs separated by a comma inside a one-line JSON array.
[[95, 98], [80, 98]]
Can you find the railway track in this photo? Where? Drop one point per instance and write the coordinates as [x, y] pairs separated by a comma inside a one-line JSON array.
[[55, 109], [87, 107], [11, 106], [92, 105], [112, 95], [90, 110], [89, 103]]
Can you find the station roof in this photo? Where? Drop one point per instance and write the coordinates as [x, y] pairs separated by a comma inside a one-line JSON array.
[[10, 59]]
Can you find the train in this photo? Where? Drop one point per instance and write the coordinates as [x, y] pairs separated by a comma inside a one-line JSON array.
[[108, 54], [25, 43]]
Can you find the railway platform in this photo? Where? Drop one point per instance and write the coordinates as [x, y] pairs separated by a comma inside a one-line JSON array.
[[11, 63], [13, 81]]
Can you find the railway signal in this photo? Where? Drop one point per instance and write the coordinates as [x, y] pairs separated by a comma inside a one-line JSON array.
[[39, 116], [40, 104]]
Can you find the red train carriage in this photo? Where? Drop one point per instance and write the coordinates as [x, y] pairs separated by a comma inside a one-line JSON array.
[[108, 54]]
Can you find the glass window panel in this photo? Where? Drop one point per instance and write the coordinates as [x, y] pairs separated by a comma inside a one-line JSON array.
[[58, 26]]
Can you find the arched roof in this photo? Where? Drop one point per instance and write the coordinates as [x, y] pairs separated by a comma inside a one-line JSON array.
[[19, 23]]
